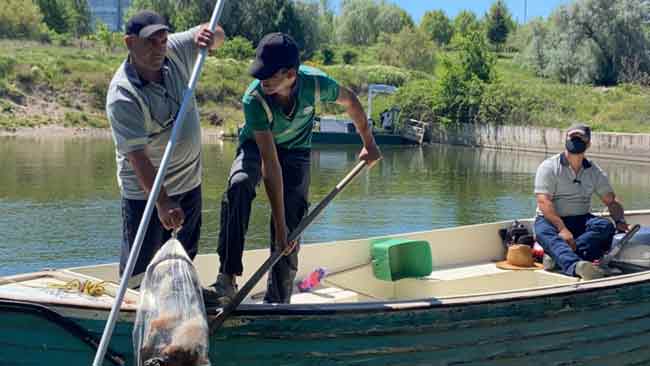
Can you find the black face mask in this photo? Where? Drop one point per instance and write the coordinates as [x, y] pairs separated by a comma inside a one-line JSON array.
[[575, 145]]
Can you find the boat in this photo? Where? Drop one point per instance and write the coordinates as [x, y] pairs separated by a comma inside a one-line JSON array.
[[453, 307], [331, 130]]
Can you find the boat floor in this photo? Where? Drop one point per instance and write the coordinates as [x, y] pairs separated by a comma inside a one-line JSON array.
[[360, 285]]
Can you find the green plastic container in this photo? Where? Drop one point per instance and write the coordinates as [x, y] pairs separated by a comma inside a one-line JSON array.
[[394, 259]]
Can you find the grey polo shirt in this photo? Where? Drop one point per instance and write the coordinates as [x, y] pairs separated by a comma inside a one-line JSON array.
[[141, 115], [570, 193]]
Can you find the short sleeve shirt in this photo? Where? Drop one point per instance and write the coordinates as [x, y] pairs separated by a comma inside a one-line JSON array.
[[261, 114], [148, 127], [570, 192]]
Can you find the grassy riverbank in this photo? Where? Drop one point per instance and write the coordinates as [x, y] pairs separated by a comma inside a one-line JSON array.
[[66, 86]]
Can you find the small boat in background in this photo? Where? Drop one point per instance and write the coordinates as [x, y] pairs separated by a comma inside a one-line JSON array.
[[425, 298], [331, 130]]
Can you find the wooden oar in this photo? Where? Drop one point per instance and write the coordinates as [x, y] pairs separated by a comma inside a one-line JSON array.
[[275, 257]]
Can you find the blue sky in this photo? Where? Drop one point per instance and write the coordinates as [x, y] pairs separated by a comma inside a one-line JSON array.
[[535, 7]]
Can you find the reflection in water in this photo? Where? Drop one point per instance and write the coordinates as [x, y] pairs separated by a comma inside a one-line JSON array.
[[60, 204]]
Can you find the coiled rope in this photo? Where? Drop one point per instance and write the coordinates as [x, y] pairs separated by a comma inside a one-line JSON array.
[[87, 287]]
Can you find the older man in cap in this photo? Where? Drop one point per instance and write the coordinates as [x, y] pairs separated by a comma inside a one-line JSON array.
[[571, 236], [274, 145], [142, 103]]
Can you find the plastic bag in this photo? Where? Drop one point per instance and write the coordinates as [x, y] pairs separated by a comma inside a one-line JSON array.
[[171, 325]]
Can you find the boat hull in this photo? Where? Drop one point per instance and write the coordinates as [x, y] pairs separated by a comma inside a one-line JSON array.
[[605, 324]]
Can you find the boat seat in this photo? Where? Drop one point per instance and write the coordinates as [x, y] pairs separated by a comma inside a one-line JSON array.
[[396, 259]]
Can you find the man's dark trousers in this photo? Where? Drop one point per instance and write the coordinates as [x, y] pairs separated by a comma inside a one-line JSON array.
[[593, 236], [245, 175], [156, 235]]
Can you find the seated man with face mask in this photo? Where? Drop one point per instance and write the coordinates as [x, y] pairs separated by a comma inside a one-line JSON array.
[[571, 236]]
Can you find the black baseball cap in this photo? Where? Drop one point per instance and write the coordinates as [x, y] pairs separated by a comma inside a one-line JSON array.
[[145, 23], [580, 129], [274, 52]]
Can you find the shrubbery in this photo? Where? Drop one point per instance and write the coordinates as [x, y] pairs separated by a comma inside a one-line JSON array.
[[21, 19], [416, 100], [327, 56], [238, 48], [358, 77], [501, 104], [7, 65]]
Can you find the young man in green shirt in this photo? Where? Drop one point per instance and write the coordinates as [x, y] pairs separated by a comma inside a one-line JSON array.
[[274, 145]]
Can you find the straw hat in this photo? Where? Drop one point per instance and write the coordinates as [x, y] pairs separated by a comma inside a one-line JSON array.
[[519, 256]]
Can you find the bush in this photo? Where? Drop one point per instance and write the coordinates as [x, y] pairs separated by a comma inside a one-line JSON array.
[[20, 19], [62, 40], [238, 48], [503, 105], [7, 65], [416, 100], [98, 90], [224, 80], [349, 57], [327, 56]]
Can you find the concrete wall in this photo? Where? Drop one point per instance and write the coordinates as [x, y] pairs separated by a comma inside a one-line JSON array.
[[623, 146]]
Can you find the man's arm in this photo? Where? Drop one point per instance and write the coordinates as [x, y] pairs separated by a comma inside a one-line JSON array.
[[349, 100], [548, 210], [615, 210], [272, 175], [169, 212]]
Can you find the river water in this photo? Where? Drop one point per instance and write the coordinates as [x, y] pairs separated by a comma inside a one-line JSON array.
[[60, 205]]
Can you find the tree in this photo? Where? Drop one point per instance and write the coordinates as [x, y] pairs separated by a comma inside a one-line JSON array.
[[180, 14], [410, 49], [21, 19], [54, 15], [592, 41], [326, 22], [534, 54], [251, 19], [465, 22], [361, 21], [79, 17], [499, 23], [392, 19], [458, 92], [307, 29], [437, 26], [356, 24]]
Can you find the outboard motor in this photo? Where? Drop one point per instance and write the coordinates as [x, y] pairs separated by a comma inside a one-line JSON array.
[[634, 255]]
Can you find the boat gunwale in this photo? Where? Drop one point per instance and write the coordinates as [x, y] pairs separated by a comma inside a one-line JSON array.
[[408, 305], [609, 283]]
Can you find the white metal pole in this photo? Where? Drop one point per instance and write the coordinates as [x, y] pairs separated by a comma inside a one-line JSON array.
[[153, 195], [525, 11]]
